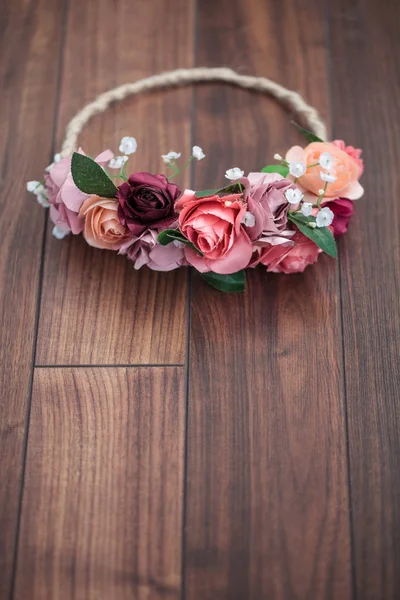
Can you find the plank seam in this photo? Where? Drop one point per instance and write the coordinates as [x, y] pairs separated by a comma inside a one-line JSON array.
[[341, 322], [188, 324]]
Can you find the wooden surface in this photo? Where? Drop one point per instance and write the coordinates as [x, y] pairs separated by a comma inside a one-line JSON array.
[[159, 439]]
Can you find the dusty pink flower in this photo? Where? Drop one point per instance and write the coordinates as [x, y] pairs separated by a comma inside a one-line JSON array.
[[144, 249], [266, 201], [214, 226], [355, 153], [294, 258], [65, 198], [343, 210], [345, 170]]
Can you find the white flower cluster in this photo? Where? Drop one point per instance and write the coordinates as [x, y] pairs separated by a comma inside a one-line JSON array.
[[172, 156], [128, 146], [37, 188]]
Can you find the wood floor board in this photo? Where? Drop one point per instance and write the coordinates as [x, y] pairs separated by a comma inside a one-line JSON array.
[[96, 309], [30, 40], [102, 504]]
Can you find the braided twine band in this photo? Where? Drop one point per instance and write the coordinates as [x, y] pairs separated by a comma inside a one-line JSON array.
[[180, 77]]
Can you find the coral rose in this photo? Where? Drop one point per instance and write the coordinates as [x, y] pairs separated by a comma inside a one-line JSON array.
[[265, 197], [64, 197], [102, 228], [145, 250], [290, 258], [147, 200], [214, 226], [346, 169], [355, 154]]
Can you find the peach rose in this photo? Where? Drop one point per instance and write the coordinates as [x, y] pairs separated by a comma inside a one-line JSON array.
[[346, 170], [214, 226], [102, 228]]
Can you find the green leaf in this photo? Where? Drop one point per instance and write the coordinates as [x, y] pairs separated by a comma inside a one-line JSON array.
[[90, 178], [321, 236], [281, 169], [169, 235], [309, 135], [205, 193], [232, 188], [236, 282]]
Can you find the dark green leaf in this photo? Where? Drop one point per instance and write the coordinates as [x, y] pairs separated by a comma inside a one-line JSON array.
[[322, 236], [169, 235], [281, 169], [90, 178], [309, 135], [235, 282]]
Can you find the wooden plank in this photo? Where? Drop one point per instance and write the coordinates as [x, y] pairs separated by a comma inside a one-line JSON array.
[[267, 498], [30, 37], [365, 78], [96, 309], [102, 506]]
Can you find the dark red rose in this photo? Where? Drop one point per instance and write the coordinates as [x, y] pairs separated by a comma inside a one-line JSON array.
[[343, 209], [147, 200]]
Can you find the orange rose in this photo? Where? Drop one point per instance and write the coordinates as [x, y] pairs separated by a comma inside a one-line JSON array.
[[102, 227], [345, 169]]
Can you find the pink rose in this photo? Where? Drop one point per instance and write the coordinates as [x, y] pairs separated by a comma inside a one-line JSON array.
[[343, 210], [65, 198], [102, 228], [355, 154], [268, 242], [294, 258], [346, 169], [265, 197], [144, 249], [214, 226]]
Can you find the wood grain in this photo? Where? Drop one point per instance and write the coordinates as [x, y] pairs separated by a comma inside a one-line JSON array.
[[366, 99], [102, 505], [267, 500], [30, 37], [96, 309]]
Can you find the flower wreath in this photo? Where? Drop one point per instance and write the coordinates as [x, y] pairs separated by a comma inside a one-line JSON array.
[[281, 217]]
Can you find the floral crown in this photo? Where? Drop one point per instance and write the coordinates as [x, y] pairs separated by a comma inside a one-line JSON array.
[[281, 217]]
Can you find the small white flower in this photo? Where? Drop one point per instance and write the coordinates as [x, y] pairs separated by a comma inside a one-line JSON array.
[[312, 225], [306, 209], [324, 217], [59, 233], [171, 156], [128, 145], [326, 160], [248, 219], [278, 157], [42, 200], [234, 173], [297, 169], [321, 192], [328, 177], [117, 162], [228, 203], [32, 186], [198, 153], [293, 196], [57, 157]]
